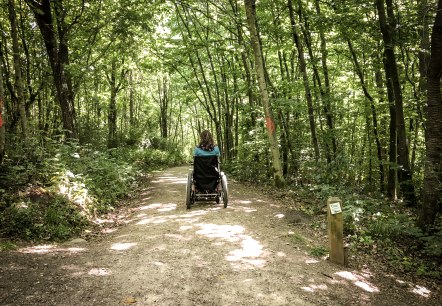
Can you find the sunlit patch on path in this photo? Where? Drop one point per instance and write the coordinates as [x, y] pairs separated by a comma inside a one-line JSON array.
[[99, 272], [122, 246], [359, 280], [46, 249], [249, 255]]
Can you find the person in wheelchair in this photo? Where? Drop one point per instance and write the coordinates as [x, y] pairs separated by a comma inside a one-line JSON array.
[[206, 180], [206, 147]]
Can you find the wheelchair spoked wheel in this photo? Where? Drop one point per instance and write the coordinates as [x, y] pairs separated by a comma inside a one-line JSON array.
[[225, 191], [189, 196]]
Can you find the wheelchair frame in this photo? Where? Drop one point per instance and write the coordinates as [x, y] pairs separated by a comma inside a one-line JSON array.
[[212, 186]]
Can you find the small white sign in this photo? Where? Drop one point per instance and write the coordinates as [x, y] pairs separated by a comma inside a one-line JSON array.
[[335, 208]]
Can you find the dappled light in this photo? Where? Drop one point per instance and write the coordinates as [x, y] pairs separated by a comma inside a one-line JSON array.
[[313, 288], [74, 188], [99, 272], [416, 289], [161, 207], [170, 180], [250, 253], [108, 230], [123, 246], [47, 249], [422, 291], [358, 280], [227, 232]]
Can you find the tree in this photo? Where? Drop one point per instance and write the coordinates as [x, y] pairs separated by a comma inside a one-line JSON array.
[[303, 67], [2, 99], [387, 26], [116, 81], [18, 69], [262, 83], [432, 191], [55, 32]]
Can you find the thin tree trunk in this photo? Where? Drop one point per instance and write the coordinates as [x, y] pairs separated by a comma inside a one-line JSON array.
[[431, 195], [330, 138], [324, 54], [373, 114], [303, 68], [55, 40], [259, 65], [404, 173], [17, 67], [2, 104], [115, 87], [131, 101], [163, 100]]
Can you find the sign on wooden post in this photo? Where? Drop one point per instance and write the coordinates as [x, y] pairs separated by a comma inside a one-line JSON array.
[[335, 230]]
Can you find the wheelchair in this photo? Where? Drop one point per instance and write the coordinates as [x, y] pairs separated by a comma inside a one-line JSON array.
[[206, 181]]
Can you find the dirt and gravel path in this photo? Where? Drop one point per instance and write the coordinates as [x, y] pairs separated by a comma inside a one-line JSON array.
[[164, 254]]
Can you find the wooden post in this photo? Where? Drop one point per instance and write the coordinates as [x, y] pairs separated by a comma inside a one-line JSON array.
[[335, 230]]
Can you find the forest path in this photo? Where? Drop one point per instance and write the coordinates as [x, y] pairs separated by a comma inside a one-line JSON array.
[[168, 255]]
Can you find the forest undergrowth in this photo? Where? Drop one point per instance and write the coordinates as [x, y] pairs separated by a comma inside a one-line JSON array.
[[54, 191]]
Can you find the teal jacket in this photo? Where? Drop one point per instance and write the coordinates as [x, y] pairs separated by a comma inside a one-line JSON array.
[[200, 152]]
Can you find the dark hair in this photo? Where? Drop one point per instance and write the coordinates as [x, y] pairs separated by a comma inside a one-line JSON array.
[[206, 141]]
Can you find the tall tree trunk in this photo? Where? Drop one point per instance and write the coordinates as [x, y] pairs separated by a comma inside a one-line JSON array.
[[391, 72], [259, 65], [2, 104], [56, 43], [251, 123], [424, 58], [163, 100], [327, 107], [17, 67], [131, 101], [303, 68], [431, 194], [115, 87], [330, 138], [373, 113], [112, 119]]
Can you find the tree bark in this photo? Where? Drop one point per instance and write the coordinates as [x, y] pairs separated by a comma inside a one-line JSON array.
[[431, 194], [303, 68], [19, 88], [163, 100], [251, 122], [2, 99], [56, 43], [259, 65], [330, 135], [391, 72], [115, 87], [373, 113]]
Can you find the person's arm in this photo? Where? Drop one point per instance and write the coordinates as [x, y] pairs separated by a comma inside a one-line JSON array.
[[217, 151]]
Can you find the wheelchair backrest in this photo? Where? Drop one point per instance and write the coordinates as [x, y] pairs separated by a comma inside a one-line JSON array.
[[206, 172]]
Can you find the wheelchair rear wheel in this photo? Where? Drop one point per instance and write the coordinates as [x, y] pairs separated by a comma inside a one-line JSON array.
[[189, 190], [225, 190]]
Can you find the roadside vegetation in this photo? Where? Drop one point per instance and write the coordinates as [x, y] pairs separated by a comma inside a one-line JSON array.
[[53, 193], [377, 230]]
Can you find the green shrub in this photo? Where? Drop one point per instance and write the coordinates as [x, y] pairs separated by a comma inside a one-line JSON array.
[[55, 219], [80, 182]]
